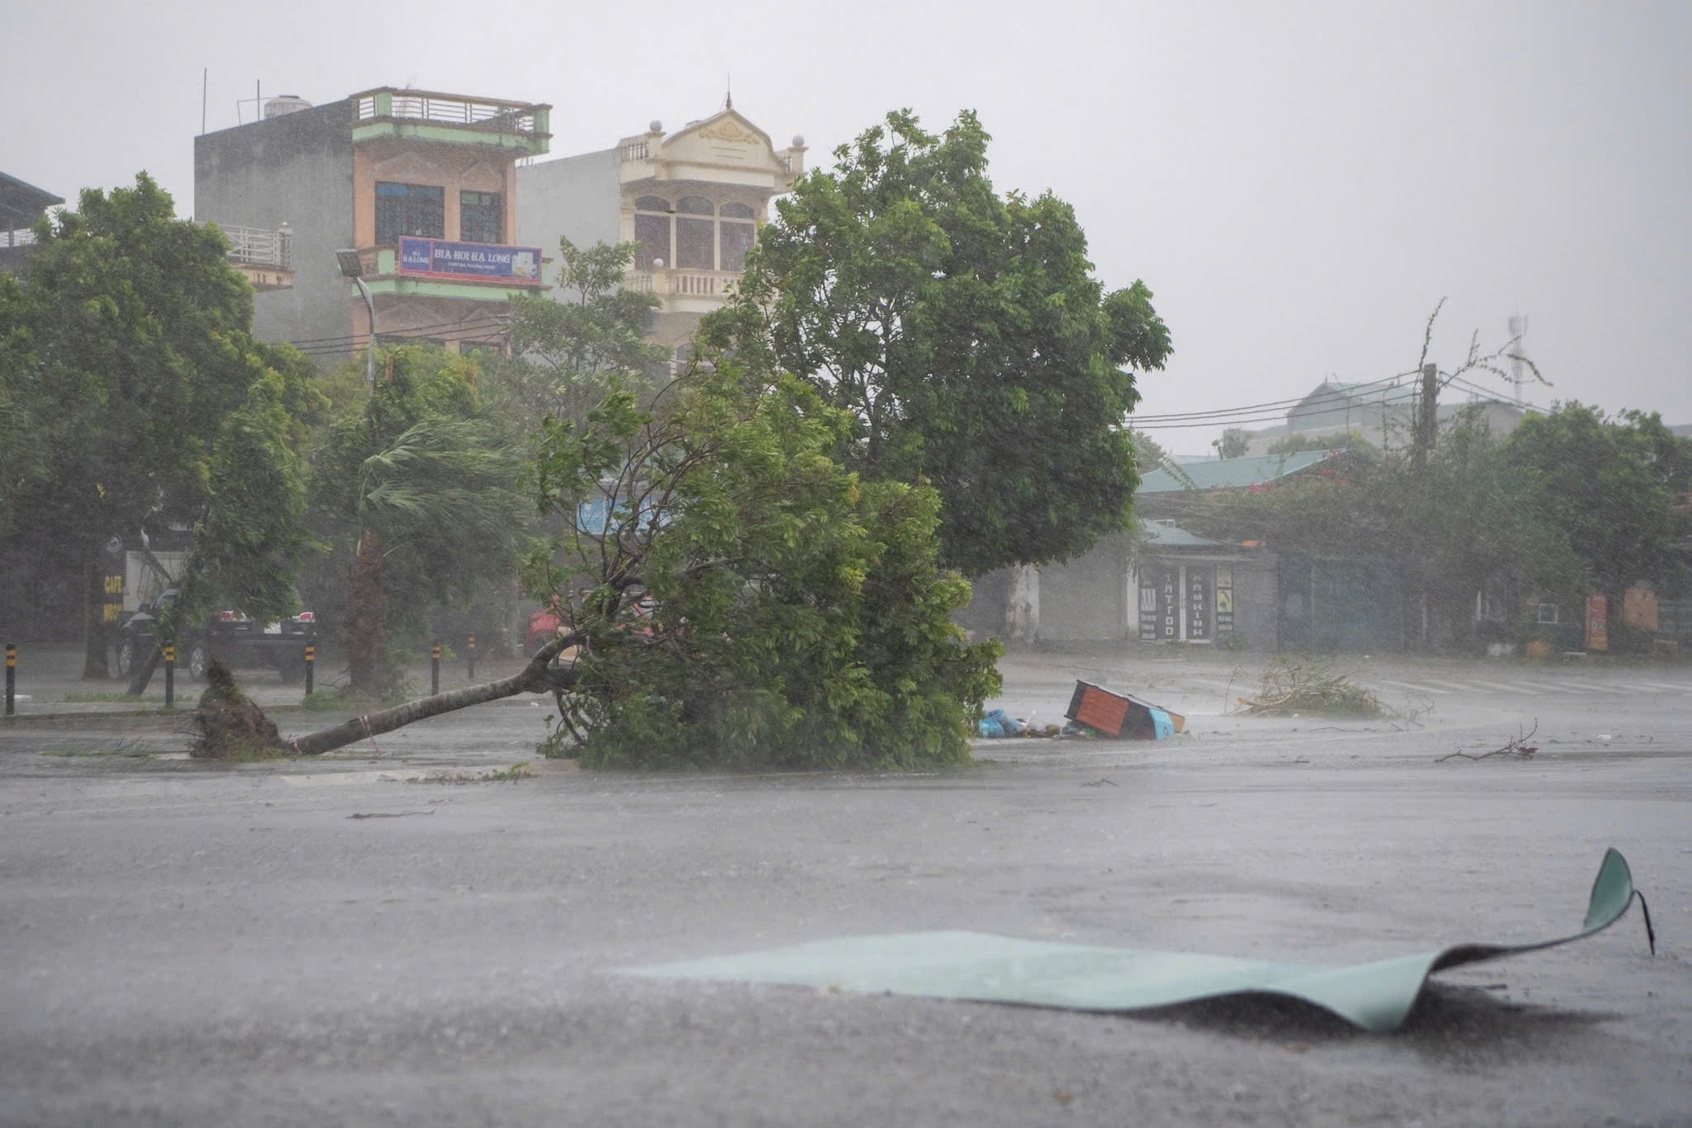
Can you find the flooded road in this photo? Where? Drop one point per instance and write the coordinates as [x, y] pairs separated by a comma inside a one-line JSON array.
[[391, 937]]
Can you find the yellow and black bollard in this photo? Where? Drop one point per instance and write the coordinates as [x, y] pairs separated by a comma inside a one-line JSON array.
[[11, 678], [170, 676], [311, 666], [472, 657], [435, 670]]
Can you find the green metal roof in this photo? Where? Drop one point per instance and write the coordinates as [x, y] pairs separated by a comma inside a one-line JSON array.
[[1229, 473], [1166, 534]]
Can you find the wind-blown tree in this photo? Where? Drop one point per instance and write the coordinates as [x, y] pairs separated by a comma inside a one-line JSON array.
[[1467, 523], [126, 353], [1611, 484], [964, 333], [564, 352], [797, 616], [421, 498]]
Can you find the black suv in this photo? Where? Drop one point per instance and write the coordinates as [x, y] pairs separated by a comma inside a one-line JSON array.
[[230, 637]]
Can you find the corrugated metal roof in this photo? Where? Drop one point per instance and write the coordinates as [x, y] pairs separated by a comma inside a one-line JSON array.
[[1229, 473], [1166, 534]]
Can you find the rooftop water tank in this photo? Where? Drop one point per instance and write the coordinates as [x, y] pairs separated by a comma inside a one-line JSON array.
[[284, 104]]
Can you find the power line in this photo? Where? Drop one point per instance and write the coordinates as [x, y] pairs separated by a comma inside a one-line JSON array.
[[1277, 410], [1219, 415], [322, 345]]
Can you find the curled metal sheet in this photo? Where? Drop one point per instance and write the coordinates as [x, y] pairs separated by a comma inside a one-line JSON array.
[[986, 968]]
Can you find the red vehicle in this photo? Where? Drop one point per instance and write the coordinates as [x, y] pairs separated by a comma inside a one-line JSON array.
[[543, 624]]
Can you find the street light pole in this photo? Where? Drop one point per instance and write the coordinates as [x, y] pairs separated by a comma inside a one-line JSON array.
[[353, 267]]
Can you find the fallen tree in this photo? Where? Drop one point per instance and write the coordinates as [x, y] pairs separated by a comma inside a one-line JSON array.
[[732, 595], [541, 675]]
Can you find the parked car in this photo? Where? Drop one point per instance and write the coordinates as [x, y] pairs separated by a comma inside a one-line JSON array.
[[228, 636]]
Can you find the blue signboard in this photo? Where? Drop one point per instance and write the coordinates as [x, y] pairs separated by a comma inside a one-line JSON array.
[[441, 259]]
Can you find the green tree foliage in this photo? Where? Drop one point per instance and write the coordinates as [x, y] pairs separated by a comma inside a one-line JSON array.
[[1469, 524], [1233, 443], [798, 616], [254, 529], [423, 504], [964, 333], [1611, 485], [1148, 452], [126, 360], [565, 352]]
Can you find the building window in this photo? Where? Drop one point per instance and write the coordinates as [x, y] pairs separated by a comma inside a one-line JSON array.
[[652, 232], [1547, 613], [693, 235], [409, 209], [481, 217], [696, 233], [738, 230]]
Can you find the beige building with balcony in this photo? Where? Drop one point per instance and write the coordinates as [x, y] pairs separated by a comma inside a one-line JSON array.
[[691, 200]]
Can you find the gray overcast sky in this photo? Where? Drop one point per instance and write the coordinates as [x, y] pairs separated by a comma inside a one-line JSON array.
[[1299, 183]]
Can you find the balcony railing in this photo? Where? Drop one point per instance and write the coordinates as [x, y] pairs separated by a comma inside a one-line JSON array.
[[682, 283], [451, 109], [251, 246], [22, 237]]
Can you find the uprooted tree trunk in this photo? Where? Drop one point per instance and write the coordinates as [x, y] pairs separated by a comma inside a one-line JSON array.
[[539, 676], [229, 722]]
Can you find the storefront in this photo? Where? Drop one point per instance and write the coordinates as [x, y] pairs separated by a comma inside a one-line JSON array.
[[1186, 601]]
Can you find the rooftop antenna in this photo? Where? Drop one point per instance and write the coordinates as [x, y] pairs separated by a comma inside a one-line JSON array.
[[258, 103], [728, 98]]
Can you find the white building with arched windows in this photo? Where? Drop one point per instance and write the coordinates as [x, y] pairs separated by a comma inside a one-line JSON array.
[[691, 200]]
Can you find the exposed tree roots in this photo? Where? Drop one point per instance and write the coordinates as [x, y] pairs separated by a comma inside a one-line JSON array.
[[228, 723]]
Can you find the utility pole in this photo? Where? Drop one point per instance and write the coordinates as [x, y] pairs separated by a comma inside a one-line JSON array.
[[1427, 419]]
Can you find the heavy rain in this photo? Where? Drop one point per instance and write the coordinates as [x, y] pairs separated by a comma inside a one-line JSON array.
[[1090, 564]]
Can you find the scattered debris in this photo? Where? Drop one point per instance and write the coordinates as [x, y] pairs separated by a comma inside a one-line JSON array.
[[1307, 685], [515, 772], [1100, 783], [1121, 715], [1517, 749], [997, 722], [386, 814]]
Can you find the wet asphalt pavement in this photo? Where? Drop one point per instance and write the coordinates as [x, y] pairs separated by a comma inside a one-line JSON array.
[[386, 937]]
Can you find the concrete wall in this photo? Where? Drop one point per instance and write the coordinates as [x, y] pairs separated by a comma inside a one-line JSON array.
[[295, 169], [1256, 602], [577, 197], [1085, 600]]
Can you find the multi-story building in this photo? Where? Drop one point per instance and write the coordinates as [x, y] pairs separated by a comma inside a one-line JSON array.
[[692, 200], [419, 187]]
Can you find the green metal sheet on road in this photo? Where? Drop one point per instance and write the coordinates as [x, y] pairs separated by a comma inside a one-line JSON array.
[[986, 968]]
